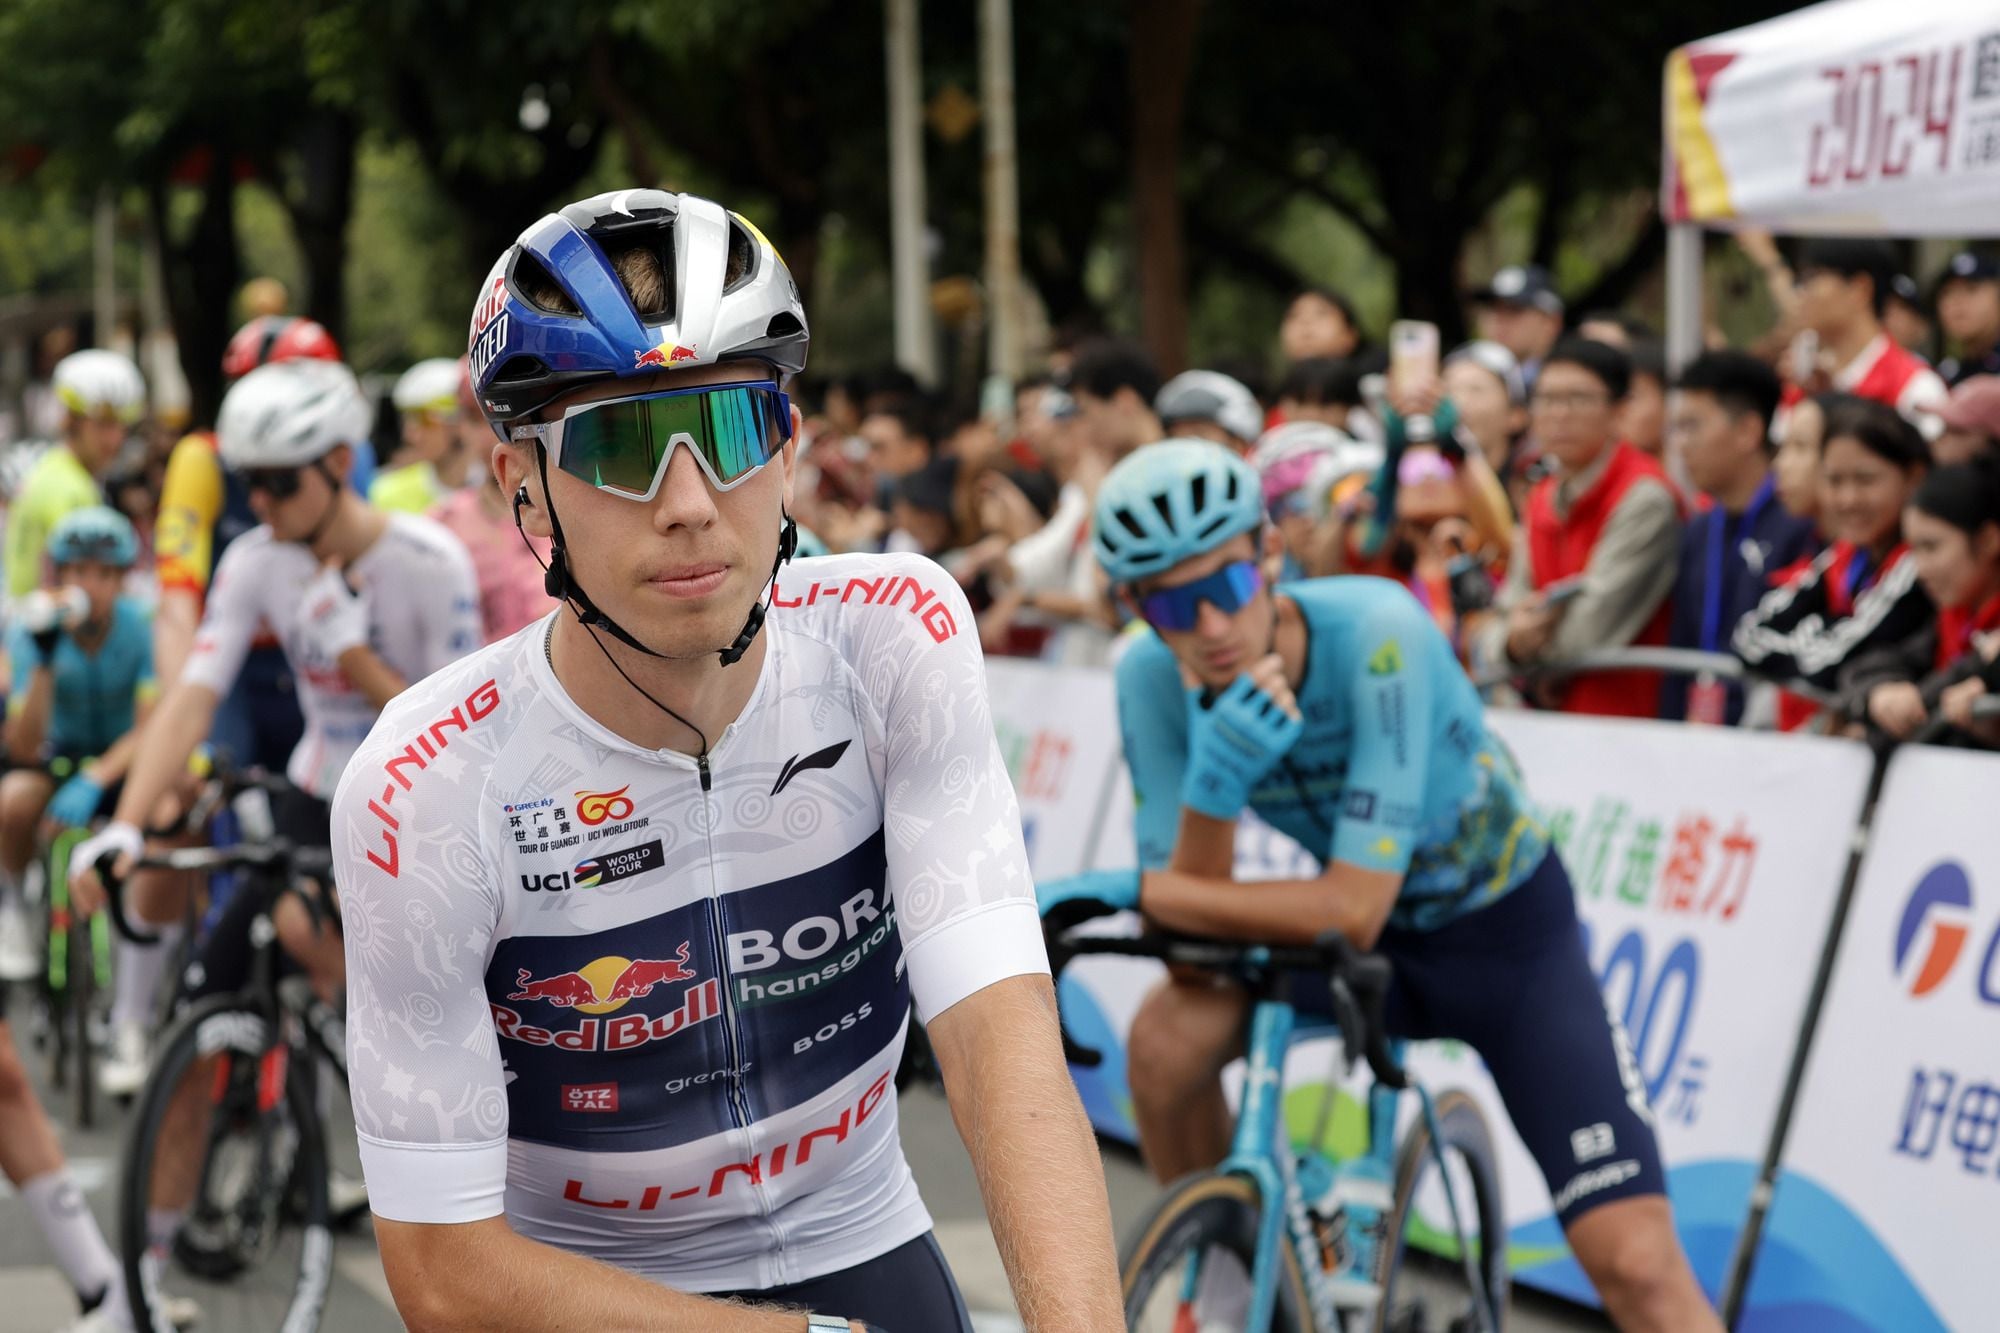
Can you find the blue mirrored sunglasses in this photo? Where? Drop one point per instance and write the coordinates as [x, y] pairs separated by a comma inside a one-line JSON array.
[[1178, 609]]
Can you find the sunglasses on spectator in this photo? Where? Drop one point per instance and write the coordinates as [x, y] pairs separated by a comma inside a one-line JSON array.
[[623, 445], [1178, 609]]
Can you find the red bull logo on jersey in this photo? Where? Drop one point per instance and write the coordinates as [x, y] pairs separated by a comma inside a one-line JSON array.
[[663, 357], [599, 989]]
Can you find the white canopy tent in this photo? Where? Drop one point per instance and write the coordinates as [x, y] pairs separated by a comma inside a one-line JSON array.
[[1868, 117]]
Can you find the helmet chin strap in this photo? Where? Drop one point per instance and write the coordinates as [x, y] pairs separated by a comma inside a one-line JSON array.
[[332, 505], [560, 584]]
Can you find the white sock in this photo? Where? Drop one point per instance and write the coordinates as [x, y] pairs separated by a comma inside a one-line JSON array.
[[161, 1224], [59, 1209], [138, 984]]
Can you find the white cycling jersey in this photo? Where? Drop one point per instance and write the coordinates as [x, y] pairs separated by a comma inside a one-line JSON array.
[[654, 1016], [423, 612]]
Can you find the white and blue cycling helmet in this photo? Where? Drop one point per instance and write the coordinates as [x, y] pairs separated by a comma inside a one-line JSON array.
[[1168, 501]]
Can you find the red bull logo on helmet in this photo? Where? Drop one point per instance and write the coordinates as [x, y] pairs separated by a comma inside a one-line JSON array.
[[663, 357]]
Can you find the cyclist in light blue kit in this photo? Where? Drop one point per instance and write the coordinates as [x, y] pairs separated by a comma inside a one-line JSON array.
[[1335, 709]]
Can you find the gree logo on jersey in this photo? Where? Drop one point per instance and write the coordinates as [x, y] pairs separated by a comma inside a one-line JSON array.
[[417, 755], [595, 807], [758, 1169], [862, 926]]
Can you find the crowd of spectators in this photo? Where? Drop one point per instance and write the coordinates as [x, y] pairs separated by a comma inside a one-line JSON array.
[[1823, 507]]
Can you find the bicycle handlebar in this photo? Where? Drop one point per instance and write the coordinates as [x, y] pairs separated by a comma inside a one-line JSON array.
[[277, 855], [1358, 982]]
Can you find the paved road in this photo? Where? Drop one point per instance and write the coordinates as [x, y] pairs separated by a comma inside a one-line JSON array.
[[33, 1296]]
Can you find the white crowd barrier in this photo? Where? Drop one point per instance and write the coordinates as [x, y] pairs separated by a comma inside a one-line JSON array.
[[1707, 866]]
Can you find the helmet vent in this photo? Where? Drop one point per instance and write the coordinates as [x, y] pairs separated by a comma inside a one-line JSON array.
[[1198, 493], [519, 368], [1130, 524], [533, 283], [784, 325], [741, 264]]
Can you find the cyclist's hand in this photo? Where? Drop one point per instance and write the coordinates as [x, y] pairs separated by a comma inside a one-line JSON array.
[[1115, 890], [75, 802], [334, 616], [1268, 674], [1897, 708], [1232, 744], [86, 888]]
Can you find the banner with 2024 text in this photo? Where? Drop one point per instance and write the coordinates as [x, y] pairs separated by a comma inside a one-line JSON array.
[[1706, 865]]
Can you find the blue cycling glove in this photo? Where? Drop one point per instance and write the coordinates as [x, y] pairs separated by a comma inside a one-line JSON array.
[[1232, 744], [1117, 890], [75, 803]]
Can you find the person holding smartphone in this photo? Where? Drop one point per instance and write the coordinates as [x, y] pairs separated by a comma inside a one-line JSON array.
[[1594, 559]]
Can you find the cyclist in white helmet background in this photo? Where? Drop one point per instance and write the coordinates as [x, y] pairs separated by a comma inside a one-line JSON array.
[[363, 603], [638, 899], [103, 396]]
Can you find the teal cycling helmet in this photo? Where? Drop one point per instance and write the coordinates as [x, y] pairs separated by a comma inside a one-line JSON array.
[[1171, 500], [97, 533], [810, 544]]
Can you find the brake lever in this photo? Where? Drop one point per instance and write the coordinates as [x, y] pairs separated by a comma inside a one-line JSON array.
[[114, 901]]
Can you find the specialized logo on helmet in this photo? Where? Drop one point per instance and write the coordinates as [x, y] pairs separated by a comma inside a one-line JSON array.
[[1940, 910], [489, 329], [663, 356]]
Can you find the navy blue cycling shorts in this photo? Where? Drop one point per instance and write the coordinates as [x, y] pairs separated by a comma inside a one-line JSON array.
[[1512, 982], [908, 1290]]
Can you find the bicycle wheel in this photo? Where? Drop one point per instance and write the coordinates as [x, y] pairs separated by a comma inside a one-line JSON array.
[[1205, 1222], [223, 1203], [79, 1000], [1428, 1288]]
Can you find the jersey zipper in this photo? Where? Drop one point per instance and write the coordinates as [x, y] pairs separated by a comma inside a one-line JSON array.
[[739, 1103]]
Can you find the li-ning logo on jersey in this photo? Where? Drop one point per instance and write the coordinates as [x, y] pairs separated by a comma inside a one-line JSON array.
[[925, 605], [796, 765], [429, 743]]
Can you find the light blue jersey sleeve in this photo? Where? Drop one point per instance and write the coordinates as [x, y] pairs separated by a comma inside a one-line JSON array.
[[1393, 703], [1152, 719], [22, 660]]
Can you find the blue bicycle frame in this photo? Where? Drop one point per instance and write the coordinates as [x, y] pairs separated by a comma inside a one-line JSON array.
[[1262, 1151]]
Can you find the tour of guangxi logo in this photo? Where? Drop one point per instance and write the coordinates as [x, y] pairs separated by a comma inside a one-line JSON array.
[[1939, 910], [598, 807]]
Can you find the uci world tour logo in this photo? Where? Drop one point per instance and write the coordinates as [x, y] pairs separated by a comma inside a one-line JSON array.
[[1935, 923]]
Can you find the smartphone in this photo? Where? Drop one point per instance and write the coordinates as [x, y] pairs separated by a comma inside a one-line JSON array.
[[1413, 352], [1805, 356], [1562, 590]]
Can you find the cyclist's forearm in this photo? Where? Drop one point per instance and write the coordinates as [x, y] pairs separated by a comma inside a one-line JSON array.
[[499, 1281], [28, 727], [177, 725], [377, 681], [1206, 846], [1000, 1052], [1349, 899], [174, 625], [115, 762]]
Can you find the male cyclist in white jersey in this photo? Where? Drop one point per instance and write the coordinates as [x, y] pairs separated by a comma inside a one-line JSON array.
[[638, 899]]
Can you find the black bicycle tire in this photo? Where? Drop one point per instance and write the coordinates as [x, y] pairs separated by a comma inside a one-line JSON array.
[[81, 991], [1223, 1209], [177, 1050], [1464, 1128]]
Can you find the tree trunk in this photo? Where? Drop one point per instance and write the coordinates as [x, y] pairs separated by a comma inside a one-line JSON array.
[[320, 208], [197, 269], [1163, 36]]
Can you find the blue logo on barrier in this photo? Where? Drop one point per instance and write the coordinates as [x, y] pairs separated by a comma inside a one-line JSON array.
[[1940, 911]]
